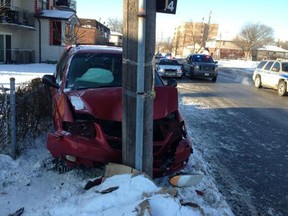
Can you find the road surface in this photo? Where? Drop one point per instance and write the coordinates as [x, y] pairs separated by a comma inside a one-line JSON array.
[[242, 133]]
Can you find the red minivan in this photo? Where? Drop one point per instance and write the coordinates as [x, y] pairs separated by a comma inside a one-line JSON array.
[[87, 112]]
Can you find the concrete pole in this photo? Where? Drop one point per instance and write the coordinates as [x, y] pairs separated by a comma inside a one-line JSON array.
[[139, 29]]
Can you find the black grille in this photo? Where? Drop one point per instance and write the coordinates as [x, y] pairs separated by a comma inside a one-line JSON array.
[[170, 70], [161, 127]]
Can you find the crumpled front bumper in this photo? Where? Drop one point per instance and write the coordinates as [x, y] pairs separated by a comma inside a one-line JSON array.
[[94, 152]]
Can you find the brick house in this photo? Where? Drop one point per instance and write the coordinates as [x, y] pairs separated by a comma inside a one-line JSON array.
[[224, 49], [35, 30], [90, 31], [269, 52], [116, 38]]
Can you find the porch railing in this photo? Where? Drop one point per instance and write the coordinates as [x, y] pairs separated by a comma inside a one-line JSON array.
[[18, 16], [17, 56]]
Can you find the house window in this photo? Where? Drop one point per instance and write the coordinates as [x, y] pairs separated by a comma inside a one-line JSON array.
[[56, 33]]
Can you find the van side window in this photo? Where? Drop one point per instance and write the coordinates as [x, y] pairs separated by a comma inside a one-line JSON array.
[[276, 67], [60, 66], [261, 64], [268, 66], [285, 67]]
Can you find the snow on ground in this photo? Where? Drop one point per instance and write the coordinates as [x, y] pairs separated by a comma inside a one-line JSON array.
[[238, 64], [23, 72], [29, 182]]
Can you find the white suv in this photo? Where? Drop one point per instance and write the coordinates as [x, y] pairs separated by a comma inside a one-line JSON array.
[[272, 74]]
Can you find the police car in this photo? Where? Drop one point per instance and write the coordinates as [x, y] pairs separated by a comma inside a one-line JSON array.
[[272, 74]]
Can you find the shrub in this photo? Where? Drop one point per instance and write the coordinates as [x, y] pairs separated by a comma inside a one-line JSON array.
[[33, 114]]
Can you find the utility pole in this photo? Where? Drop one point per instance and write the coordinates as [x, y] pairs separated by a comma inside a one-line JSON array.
[[208, 27], [139, 29]]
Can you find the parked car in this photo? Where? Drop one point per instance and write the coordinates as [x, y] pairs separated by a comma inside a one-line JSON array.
[[200, 65], [169, 68], [272, 74], [87, 112]]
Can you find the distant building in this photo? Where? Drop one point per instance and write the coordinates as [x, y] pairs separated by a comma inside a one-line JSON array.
[[91, 31], [224, 48], [191, 37], [116, 38], [35, 30]]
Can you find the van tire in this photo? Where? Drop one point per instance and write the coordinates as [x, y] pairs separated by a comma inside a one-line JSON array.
[[281, 88], [257, 82]]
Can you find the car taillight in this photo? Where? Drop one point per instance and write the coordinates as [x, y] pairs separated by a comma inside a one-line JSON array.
[[80, 128]]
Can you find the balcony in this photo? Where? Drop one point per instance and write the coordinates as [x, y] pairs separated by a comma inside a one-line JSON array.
[[16, 17]]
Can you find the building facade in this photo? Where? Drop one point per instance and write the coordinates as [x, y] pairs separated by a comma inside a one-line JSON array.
[[35, 30], [90, 31], [116, 39]]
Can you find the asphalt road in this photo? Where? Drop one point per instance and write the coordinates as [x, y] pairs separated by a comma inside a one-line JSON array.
[[242, 133]]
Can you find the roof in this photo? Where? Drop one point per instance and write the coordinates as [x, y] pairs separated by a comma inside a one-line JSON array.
[[102, 48], [58, 14], [116, 33], [271, 48]]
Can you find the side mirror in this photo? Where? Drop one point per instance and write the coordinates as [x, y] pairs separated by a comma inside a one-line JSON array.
[[172, 82], [216, 62], [50, 80]]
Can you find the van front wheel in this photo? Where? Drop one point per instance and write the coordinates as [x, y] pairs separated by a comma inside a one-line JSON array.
[[258, 82]]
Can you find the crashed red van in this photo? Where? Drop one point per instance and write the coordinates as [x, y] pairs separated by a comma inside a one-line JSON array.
[[87, 112]]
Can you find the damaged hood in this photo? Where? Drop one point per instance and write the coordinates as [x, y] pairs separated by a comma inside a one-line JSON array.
[[106, 103]]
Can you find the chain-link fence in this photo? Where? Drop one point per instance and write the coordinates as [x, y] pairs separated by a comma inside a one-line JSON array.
[[33, 111]]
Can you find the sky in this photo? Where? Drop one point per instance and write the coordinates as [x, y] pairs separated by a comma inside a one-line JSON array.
[[230, 15], [30, 182]]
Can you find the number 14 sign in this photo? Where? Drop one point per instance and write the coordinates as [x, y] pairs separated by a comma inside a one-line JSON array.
[[166, 6]]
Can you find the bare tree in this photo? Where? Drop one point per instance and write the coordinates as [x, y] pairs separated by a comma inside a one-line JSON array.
[[197, 33], [3, 8], [194, 35], [115, 24], [283, 44], [177, 42], [165, 46], [252, 36], [72, 34]]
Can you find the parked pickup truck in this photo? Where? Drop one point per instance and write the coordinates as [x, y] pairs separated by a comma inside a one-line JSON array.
[[200, 65]]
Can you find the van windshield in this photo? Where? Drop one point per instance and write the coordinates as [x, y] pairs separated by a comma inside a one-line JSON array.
[[97, 70], [202, 58], [94, 70]]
